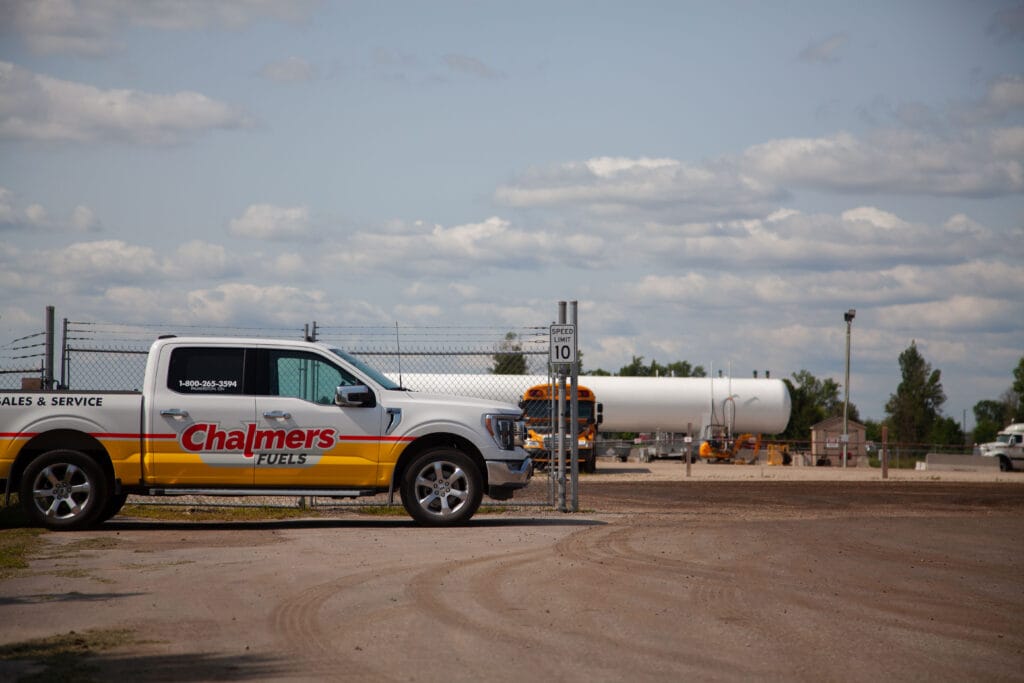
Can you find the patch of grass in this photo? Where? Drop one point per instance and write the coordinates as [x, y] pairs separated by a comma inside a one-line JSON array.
[[399, 511], [62, 656], [201, 513], [381, 510], [16, 545]]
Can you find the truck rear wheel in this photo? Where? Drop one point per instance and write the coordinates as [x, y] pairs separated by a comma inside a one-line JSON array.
[[63, 490], [442, 487]]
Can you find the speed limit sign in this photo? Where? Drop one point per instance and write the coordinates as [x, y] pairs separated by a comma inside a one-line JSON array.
[[563, 344]]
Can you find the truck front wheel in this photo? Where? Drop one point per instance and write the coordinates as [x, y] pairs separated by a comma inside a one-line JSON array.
[[442, 487], [63, 490]]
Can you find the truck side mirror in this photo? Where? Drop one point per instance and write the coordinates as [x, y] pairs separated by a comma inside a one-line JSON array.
[[600, 413], [356, 396]]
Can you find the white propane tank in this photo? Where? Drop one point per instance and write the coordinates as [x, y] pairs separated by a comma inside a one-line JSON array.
[[643, 404]]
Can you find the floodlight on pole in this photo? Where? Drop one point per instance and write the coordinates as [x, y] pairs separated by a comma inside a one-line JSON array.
[[848, 317]]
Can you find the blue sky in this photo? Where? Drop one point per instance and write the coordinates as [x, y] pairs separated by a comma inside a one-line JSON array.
[[713, 182]]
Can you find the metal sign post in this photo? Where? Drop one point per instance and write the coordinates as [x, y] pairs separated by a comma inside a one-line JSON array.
[[574, 417], [562, 357]]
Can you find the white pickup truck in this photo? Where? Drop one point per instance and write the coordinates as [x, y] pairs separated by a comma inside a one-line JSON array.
[[238, 417], [1008, 447]]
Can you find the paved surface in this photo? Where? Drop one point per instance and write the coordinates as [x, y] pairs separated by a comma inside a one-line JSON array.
[[734, 574]]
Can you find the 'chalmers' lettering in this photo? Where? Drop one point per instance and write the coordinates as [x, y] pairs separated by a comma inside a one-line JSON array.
[[209, 437]]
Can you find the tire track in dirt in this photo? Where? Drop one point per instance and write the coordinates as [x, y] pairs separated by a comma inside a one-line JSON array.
[[324, 650], [567, 616]]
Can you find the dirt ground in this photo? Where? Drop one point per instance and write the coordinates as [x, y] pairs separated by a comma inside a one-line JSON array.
[[731, 574]]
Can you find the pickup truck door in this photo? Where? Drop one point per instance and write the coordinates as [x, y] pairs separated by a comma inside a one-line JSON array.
[[311, 441], [200, 419]]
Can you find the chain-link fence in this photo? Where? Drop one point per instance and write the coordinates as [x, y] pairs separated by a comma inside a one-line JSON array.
[[112, 357], [21, 362]]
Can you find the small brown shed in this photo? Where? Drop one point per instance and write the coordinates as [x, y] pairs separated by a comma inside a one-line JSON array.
[[827, 442]]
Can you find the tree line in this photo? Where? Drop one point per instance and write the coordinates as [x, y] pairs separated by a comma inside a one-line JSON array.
[[913, 414]]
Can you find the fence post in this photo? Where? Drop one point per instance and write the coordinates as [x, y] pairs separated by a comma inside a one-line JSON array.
[[689, 447], [48, 358], [560, 431], [885, 452], [64, 355]]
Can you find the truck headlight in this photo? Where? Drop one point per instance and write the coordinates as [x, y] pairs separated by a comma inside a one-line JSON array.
[[507, 430]]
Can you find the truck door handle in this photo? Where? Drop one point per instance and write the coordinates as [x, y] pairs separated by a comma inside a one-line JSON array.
[[174, 412], [277, 415]]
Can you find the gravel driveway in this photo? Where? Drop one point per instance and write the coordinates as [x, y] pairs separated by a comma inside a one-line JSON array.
[[729, 575]]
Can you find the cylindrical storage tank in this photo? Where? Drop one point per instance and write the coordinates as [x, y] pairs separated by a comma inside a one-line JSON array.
[[644, 404]]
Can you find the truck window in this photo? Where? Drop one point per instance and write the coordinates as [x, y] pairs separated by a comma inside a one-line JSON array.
[[305, 375], [198, 370]]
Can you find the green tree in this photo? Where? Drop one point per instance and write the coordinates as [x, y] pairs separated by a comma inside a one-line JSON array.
[[917, 404], [813, 400], [946, 432], [636, 368], [680, 368], [509, 359], [872, 430], [989, 418], [1017, 390]]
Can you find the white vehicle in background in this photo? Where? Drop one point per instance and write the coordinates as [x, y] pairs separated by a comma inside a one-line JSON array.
[[1008, 447]]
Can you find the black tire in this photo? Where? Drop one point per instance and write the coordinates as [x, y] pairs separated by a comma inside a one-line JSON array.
[[589, 462], [114, 504], [442, 487], [64, 490], [1004, 464]]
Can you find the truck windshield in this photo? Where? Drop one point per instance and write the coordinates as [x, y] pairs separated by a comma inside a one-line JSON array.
[[373, 374]]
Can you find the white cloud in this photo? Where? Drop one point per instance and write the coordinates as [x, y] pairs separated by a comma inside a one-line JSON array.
[[824, 50], [197, 259], [275, 304], [422, 248], [91, 27], [290, 70], [976, 163], [887, 162], [612, 185], [95, 259], [471, 66], [35, 216], [269, 222], [961, 313], [38, 107], [83, 219], [875, 216], [1007, 143]]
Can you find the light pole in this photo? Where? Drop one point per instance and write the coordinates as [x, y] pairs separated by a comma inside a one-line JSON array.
[[848, 317]]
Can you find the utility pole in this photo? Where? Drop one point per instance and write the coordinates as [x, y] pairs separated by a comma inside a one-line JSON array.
[[848, 317]]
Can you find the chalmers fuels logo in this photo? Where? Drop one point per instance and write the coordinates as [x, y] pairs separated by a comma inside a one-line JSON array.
[[273, 447]]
